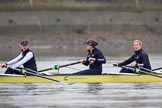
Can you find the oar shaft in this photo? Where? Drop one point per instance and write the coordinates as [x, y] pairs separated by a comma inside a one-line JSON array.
[[45, 70], [147, 69], [70, 64], [142, 71], [59, 66], [157, 69], [153, 74], [32, 72], [38, 75]]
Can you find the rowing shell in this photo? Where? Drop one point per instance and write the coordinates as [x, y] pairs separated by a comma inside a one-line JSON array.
[[106, 78]]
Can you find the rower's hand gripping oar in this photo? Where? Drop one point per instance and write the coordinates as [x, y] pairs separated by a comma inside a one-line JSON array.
[[57, 67]]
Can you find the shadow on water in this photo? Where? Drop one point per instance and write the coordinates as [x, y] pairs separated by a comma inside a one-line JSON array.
[[94, 88]]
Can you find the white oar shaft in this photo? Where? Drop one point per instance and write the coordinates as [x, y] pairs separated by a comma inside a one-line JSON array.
[[153, 74]]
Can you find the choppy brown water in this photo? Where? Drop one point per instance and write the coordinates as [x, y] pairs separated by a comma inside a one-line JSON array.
[[82, 95]]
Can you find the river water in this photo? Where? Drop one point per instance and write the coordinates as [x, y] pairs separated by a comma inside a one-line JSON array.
[[82, 95]]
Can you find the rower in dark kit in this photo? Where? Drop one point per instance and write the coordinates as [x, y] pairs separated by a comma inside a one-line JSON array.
[[95, 59], [25, 58], [138, 59]]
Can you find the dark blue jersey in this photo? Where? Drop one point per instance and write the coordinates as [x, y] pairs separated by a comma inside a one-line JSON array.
[[141, 59], [31, 64], [95, 67], [100, 59], [27, 63]]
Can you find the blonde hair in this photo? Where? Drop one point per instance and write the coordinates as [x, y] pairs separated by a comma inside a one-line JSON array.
[[138, 41]]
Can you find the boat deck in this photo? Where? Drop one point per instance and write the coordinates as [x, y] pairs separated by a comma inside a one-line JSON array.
[[104, 78]]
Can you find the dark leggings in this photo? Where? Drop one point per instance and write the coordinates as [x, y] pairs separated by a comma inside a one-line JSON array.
[[124, 70], [11, 71], [89, 72]]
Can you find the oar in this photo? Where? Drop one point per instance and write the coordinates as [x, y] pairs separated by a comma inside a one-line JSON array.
[[56, 67], [35, 73], [156, 69], [153, 74], [137, 70], [32, 72]]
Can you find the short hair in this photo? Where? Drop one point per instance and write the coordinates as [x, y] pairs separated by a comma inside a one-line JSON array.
[[138, 41]]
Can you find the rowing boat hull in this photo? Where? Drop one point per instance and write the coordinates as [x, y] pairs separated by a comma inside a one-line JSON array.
[[108, 78]]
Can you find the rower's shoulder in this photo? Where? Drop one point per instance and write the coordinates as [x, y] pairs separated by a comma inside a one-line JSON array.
[[143, 52]]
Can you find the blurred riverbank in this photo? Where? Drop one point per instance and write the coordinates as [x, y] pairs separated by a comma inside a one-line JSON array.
[[71, 44], [54, 33]]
